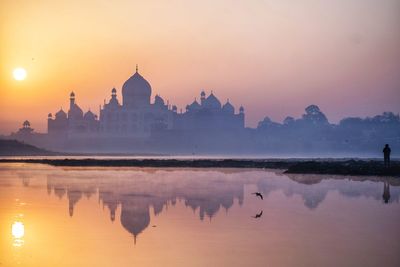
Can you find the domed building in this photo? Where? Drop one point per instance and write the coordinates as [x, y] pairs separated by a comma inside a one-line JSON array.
[[58, 125], [136, 116], [209, 115], [228, 108], [72, 123]]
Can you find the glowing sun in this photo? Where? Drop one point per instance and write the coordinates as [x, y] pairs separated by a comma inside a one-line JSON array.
[[19, 74]]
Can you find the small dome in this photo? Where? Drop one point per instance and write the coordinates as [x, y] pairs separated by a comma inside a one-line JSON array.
[[61, 114], [89, 116], [228, 108], [194, 106], [174, 108], [72, 94], [113, 101], [203, 94], [50, 115], [212, 102], [158, 101], [241, 109]]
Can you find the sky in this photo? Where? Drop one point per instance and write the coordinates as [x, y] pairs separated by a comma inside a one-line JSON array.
[[274, 57]]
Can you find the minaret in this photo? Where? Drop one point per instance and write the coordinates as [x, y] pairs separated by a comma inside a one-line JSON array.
[[202, 97], [114, 91], [241, 116], [71, 100], [49, 122]]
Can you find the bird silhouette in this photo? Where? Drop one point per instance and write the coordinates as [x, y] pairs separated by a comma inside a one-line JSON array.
[[258, 194], [258, 215]]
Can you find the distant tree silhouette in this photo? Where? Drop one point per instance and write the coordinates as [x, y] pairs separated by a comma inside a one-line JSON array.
[[313, 132], [315, 116], [267, 123], [288, 121]]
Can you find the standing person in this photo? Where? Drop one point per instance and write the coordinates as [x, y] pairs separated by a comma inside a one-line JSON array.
[[386, 155]]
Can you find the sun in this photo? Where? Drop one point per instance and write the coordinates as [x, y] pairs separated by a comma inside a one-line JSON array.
[[19, 74]]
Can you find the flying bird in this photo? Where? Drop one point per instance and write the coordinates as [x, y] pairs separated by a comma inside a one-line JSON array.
[[258, 215], [258, 194]]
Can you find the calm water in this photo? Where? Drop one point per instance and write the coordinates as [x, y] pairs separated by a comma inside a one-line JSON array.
[[53, 216]]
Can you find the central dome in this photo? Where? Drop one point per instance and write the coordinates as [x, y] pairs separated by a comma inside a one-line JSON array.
[[136, 91]]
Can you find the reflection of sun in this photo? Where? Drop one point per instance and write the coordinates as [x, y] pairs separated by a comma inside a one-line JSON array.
[[18, 230]]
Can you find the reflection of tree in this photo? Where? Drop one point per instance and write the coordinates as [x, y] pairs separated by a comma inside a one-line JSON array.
[[352, 188], [311, 195]]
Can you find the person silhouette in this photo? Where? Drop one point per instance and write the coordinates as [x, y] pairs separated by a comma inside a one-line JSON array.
[[386, 155]]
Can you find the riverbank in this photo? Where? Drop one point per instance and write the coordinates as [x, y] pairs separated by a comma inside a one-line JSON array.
[[338, 167]]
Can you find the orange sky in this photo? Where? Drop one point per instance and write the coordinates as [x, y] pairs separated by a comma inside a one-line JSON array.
[[273, 57]]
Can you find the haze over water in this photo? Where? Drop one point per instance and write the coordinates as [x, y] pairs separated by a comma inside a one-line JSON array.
[[53, 216]]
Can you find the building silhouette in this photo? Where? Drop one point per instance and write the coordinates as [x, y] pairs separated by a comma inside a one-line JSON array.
[[137, 117], [135, 120]]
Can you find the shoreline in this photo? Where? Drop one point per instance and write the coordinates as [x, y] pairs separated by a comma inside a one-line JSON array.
[[323, 166]]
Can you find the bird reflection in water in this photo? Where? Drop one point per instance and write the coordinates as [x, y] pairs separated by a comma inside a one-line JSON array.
[[258, 215], [258, 194]]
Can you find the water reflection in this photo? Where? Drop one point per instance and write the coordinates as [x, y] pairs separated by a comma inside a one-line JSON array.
[[386, 192], [137, 191], [102, 212], [314, 188], [18, 232]]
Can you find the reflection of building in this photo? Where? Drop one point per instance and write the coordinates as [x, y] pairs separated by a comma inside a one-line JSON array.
[[136, 199], [137, 117], [206, 192], [73, 197], [135, 214], [110, 200]]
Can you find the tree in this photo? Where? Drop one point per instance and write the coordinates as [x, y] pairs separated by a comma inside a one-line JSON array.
[[314, 116], [288, 121]]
